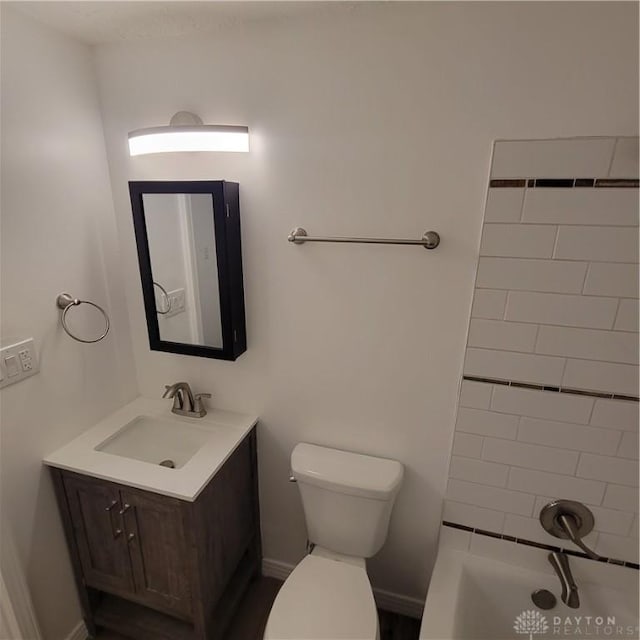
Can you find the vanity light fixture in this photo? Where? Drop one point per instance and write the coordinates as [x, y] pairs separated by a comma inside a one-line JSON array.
[[186, 132]]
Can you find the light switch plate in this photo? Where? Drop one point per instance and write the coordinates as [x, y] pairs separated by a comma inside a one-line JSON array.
[[17, 362]]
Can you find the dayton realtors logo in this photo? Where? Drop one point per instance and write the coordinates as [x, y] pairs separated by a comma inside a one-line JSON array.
[[592, 627], [531, 623]]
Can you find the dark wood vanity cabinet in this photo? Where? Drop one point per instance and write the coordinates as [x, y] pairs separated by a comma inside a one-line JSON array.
[[150, 566]]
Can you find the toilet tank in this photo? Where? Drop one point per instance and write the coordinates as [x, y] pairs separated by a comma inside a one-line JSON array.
[[347, 497]]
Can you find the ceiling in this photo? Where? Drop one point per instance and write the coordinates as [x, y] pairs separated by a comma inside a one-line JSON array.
[[102, 22]]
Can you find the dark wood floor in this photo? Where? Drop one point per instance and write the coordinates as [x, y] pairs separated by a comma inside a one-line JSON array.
[[251, 617]]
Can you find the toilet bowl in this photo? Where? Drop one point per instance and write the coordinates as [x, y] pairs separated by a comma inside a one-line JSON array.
[[324, 599], [347, 500]]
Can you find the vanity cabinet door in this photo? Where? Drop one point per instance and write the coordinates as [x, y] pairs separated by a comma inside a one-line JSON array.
[[94, 506], [159, 556]]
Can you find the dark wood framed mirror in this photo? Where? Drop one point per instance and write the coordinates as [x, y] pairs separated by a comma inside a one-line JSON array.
[[190, 257]]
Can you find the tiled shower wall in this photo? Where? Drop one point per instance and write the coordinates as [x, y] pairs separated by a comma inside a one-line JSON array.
[[548, 406]]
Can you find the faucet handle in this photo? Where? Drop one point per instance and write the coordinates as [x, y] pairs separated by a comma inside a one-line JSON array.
[[569, 520], [198, 405]]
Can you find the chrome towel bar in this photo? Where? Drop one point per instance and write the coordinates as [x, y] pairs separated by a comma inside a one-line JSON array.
[[430, 240]]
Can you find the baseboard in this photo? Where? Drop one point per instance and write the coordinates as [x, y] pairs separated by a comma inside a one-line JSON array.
[[276, 569], [79, 632], [397, 603], [387, 600]]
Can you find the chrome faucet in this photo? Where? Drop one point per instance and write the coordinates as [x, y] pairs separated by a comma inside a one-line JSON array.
[[185, 403], [560, 563]]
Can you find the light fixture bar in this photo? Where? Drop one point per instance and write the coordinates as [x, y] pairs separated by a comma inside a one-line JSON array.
[[189, 138]]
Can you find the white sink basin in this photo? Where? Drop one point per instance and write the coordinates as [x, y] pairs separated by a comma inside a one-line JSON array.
[[156, 440], [128, 446]]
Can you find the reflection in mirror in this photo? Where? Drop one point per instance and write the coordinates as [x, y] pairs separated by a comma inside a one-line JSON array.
[[182, 250]]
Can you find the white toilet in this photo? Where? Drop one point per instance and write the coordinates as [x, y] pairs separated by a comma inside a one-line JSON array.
[[347, 500]]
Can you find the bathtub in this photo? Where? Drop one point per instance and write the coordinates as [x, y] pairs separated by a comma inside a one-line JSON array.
[[478, 593]]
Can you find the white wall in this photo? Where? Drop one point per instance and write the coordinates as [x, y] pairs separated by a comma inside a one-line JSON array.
[[379, 123], [555, 305], [57, 234]]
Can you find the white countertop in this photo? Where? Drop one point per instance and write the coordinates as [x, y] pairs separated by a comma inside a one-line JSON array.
[[80, 455]]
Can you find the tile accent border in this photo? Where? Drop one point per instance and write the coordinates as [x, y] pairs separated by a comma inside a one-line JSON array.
[[542, 387], [538, 545], [566, 183]]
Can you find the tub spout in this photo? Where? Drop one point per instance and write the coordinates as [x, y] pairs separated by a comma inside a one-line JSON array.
[[560, 563]]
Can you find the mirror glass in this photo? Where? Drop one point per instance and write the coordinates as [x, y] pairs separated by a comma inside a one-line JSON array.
[[184, 267]]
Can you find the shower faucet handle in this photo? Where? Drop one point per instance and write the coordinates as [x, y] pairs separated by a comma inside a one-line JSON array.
[[569, 520]]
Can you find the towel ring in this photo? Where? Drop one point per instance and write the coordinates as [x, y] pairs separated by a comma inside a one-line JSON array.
[[65, 302], [166, 297]]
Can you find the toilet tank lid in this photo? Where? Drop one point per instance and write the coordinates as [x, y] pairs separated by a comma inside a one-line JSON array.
[[346, 472]]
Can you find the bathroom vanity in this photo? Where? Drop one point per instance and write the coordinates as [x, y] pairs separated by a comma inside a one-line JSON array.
[[158, 552]]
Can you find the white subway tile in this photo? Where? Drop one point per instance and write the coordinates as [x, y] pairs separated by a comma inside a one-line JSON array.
[[487, 423], [615, 414], [456, 539], [467, 444], [488, 303], [606, 279], [619, 497], [542, 404], [559, 309], [629, 445], [601, 376], [589, 344], [518, 555], [507, 365], [552, 158], [531, 529], [565, 435], [478, 471], [472, 516], [627, 318], [608, 469], [612, 520], [558, 486], [494, 498], [476, 395], [625, 159], [607, 244], [606, 520], [496, 334], [583, 206], [617, 547], [530, 456], [532, 275], [518, 240], [504, 205]]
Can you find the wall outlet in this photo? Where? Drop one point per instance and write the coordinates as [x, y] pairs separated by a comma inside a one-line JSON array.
[[17, 362]]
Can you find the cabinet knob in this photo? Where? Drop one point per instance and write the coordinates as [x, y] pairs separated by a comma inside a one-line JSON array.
[[117, 533], [113, 504], [130, 537], [125, 509]]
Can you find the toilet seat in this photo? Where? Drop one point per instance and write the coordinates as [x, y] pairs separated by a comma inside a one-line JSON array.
[[324, 599]]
